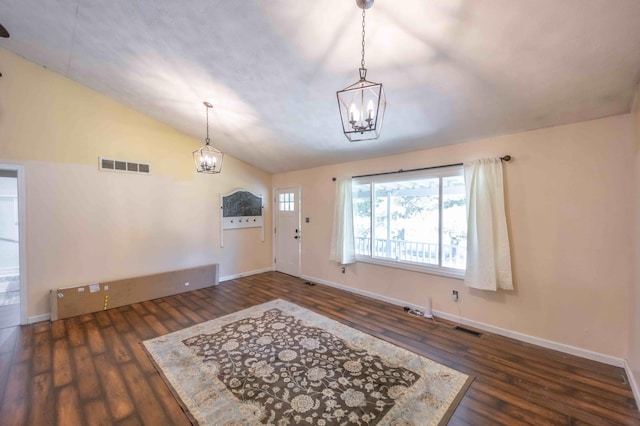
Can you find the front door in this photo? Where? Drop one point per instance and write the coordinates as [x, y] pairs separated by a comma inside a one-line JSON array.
[[287, 230]]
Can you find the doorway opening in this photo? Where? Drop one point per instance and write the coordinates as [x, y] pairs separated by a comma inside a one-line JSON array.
[[10, 283]]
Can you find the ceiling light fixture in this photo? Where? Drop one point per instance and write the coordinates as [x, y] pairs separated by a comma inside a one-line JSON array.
[[208, 159], [362, 104], [3, 32]]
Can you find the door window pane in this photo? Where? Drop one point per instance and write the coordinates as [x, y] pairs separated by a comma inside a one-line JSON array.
[[286, 202]]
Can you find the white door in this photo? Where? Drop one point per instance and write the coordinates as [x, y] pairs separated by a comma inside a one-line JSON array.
[[287, 230]]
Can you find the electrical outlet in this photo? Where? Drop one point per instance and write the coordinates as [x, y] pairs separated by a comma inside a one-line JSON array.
[[455, 295]]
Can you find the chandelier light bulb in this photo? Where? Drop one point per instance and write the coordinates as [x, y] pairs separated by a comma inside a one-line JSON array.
[[354, 114]]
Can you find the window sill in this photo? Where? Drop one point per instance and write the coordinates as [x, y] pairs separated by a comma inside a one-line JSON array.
[[432, 270]]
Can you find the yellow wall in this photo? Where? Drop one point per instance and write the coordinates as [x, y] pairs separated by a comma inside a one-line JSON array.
[[84, 225], [569, 206]]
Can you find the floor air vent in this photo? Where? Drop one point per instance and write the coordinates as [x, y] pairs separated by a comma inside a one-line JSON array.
[[124, 166], [466, 330]]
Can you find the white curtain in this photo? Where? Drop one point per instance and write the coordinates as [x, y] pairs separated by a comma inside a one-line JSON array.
[[488, 252], [343, 246]]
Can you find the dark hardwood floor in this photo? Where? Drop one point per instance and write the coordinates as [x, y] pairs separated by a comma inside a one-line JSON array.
[[92, 370]]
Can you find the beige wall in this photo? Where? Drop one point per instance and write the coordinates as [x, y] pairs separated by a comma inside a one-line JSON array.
[[634, 300], [569, 196], [84, 225]]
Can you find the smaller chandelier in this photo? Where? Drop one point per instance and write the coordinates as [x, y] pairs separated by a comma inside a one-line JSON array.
[[362, 105], [208, 159]]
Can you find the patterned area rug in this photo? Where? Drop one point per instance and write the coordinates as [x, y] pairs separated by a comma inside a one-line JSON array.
[[280, 364]]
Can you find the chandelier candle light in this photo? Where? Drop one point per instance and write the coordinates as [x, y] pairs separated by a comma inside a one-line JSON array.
[[362, 104], [208, 159]]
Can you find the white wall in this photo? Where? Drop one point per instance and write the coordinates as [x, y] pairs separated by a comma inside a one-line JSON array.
[[569, 206], [85, 225]]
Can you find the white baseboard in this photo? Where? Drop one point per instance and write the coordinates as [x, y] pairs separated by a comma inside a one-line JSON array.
[[38, 318], [245, 274], [366, 293], [632, 382], [572, 350], [549, 344]]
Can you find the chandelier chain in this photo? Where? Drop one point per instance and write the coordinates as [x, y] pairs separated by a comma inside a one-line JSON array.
[[363, 33], [207, 140]]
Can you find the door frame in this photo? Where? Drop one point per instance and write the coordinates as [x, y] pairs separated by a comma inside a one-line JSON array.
[[274, 221], [22, 237]]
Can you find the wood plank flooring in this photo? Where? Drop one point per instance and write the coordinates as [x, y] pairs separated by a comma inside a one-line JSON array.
[[91, 370]]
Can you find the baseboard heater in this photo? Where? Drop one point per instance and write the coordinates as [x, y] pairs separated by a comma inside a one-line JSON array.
[[84, 299]]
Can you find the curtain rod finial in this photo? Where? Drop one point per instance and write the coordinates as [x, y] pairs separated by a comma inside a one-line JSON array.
[[506, 158]]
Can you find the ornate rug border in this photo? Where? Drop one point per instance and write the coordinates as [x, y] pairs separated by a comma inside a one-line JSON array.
[[374, 343], [172, 389]]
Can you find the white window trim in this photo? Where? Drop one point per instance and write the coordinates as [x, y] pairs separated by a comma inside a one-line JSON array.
[[22, 237], [431, 270], [405, 265]]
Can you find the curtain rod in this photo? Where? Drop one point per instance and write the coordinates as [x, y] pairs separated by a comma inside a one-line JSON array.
[[505, 158]]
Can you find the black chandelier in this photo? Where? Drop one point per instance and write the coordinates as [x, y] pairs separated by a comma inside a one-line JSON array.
[[208, 159], [362, 105]]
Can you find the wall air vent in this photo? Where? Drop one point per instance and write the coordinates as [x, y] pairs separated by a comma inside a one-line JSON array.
[[124, 166]]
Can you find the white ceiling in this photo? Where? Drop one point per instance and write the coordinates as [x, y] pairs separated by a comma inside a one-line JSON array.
[[453, 70]]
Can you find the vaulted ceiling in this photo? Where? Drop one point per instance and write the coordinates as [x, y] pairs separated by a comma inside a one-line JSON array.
[[453, 70]]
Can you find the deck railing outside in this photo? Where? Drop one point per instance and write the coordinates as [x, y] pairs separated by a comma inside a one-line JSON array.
[[453, 256]]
